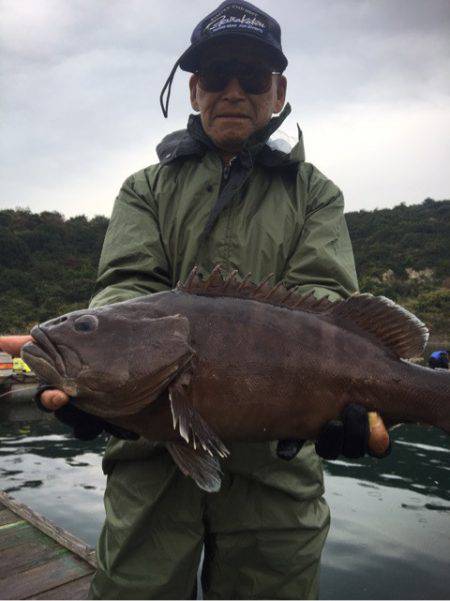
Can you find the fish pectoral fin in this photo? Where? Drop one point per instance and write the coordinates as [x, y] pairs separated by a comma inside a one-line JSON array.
[[190, 424], [198, 464]]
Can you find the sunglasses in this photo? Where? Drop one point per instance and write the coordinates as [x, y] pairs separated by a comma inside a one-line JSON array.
[[253, 78]]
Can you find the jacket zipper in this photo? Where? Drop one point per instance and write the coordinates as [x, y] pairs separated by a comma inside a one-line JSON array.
[[226, 170], [225, 176]]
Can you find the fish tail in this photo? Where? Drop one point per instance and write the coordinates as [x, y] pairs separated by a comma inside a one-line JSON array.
[[444, 407], [435, 396], [417, 394]]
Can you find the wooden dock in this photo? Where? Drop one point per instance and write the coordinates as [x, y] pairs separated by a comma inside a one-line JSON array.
[[39, 560]]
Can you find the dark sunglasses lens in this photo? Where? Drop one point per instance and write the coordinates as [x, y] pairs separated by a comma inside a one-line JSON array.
[[253, 79], [213, 82], [215, 76]]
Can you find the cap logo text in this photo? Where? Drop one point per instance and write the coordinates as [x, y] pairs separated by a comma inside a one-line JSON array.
[[231, 22]]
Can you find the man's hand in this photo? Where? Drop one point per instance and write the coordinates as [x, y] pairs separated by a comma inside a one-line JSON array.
[[53, 399], [357, 433], [84, 426]]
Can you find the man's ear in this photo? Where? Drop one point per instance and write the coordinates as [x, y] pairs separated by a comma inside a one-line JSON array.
[[193, 91], [281, 93]]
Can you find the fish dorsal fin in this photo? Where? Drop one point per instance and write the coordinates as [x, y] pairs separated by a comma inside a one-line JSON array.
[[217, 285], [393, 325]]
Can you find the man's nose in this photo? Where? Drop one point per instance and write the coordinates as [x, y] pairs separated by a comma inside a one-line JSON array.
[[233, 90]]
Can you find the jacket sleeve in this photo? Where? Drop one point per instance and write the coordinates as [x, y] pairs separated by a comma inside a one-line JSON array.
[[133, 261], [323, 257]]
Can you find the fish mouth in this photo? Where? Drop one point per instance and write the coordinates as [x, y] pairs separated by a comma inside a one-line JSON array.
[[46, 361], [47, 350], [41, 363]]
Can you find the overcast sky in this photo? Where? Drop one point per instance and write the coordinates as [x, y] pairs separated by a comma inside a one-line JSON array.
[[368, 81]]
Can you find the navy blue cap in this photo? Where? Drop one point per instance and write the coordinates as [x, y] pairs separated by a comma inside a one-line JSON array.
[[231, 20]]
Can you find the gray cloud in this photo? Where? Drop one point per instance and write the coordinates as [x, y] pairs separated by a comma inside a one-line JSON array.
[[80, 84]]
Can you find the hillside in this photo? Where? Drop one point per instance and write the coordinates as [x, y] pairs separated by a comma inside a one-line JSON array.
[[48, 264], [403, 253]]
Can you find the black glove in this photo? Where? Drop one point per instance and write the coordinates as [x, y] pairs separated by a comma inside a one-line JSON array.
[[348, 437], [289, 448], [84, 425]]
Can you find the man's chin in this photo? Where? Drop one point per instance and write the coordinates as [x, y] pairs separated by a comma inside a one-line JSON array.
[[232, 143], [230, 137]]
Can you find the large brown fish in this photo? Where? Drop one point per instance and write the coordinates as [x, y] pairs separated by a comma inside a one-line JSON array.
[[225, 360]]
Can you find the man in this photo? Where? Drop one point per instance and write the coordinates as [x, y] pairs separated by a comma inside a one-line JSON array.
[[221, 194]]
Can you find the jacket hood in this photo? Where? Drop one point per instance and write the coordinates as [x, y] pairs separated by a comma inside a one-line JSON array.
[[193, 141]]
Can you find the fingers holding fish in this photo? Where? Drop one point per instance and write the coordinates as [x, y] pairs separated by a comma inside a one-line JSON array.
[[54, 399], [84, 426], [379, 442]]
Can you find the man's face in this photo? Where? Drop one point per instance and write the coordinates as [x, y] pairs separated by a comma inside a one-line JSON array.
[[232, 114]]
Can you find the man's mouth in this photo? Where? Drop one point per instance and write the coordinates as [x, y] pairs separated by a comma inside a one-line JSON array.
[[231, 116]]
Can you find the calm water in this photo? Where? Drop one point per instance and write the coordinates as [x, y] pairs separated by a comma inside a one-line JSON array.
[[390, 533]]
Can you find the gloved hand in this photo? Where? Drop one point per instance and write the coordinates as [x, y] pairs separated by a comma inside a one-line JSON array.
[[348, 437], [289, 448], [84, 425]]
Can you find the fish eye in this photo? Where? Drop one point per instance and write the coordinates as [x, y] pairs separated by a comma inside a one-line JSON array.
[[86, 323]]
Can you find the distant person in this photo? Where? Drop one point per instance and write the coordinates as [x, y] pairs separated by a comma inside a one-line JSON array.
[[439, 359]]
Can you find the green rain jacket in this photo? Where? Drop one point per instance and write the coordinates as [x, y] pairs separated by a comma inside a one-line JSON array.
[[269, 212]]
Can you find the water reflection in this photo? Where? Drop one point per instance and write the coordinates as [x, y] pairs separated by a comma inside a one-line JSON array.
[[42, 465], [420, 461], [390, 532]]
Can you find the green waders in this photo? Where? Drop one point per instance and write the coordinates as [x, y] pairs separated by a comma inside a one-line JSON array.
[[262, 540]]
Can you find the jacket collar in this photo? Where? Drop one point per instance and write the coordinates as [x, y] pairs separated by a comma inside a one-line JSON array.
[[193, 141]]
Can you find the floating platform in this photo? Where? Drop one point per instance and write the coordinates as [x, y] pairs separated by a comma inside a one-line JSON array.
[[39, 560]]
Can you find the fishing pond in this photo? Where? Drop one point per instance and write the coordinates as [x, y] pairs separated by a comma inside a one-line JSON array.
[[390, 530]]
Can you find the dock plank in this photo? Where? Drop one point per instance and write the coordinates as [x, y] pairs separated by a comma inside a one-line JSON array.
[[39, 559], [28, 555], [60, 535], [77, 589], [15, 534], [8, 517], [39, 579]]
